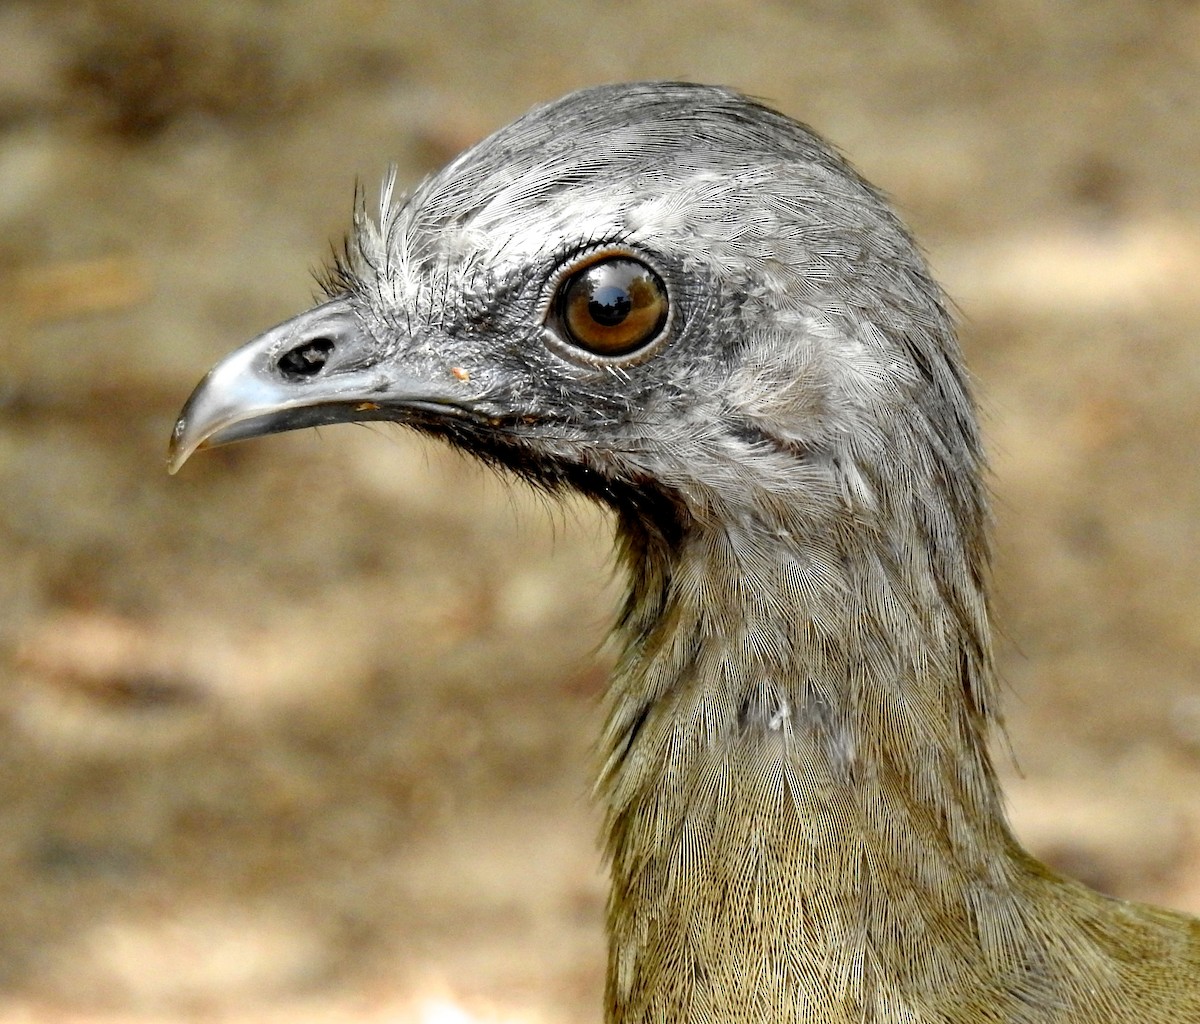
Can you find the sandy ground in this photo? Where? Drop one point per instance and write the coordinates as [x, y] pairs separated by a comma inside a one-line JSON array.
[[304, 733]]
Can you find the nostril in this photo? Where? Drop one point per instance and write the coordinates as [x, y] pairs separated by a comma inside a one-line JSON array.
[[307, 359]]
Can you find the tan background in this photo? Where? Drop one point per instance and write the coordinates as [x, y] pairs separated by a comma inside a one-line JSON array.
[[302, 734]]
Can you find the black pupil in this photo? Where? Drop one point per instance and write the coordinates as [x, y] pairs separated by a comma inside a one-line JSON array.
[[609, 305]]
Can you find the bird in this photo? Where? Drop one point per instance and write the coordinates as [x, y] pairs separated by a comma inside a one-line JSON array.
[[689, 307]]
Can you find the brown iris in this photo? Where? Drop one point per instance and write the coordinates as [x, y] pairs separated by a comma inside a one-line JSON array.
[[613, 307]]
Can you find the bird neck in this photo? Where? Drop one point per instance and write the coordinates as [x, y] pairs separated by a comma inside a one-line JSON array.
[[796, 778]]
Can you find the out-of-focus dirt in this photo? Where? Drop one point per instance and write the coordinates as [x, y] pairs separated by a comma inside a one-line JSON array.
[[304, 732]]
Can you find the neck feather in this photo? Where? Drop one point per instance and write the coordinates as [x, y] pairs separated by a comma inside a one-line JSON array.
[[796, 780]]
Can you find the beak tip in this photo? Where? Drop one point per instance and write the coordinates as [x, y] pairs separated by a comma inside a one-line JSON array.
[[177, 451]]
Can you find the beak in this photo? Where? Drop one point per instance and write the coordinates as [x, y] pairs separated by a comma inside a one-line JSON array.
[[320, 367]]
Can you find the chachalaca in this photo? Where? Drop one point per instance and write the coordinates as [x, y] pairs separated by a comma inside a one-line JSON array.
[[690, 308]]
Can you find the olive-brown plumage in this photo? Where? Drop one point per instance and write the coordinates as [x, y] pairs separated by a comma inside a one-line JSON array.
[[688, 307]]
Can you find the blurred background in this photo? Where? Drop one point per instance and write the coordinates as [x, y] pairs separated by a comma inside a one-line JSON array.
[[304, 733]]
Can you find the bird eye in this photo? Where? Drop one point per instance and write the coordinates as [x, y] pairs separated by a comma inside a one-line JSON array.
[[613, 307]]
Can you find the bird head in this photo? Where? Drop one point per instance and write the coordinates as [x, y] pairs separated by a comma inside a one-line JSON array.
[[664, 295]]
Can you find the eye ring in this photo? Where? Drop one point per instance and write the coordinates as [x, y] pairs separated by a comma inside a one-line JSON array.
[[610, 309]]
